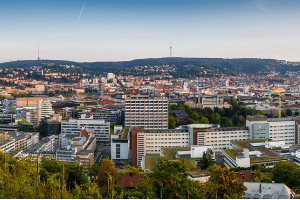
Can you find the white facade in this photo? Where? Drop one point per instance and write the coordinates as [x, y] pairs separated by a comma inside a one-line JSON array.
[[143, 111], [197, 151], [151, 142], [119, 149], [44, 109], [99, 127], [110, 76], [282, 129], [220, 138]]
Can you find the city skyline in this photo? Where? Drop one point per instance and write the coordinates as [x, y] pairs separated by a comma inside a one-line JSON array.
[[88, 31]]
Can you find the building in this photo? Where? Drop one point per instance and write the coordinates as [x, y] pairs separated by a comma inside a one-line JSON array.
[[277, 129], [7, 145], [49, 127], [150, 142], [253, 152], [119, 149], [80, 148], [99, 127], [217, 138], [112, 116], [110, 76], [44, 109], [28, 101], [267, 191], [180, 115], [143, 111]]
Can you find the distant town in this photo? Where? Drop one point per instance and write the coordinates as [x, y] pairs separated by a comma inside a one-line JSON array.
[[150, 131]]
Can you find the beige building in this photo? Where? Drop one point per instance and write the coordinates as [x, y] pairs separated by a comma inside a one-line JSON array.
[[28, 101]]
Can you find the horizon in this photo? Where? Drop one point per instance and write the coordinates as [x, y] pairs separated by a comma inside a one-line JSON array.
[[145, 59], [111, 31]]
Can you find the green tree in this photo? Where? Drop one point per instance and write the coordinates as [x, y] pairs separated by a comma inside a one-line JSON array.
[[206, 160], [283, 114], [172, 122], [289, 112], [171, 178], [204, 120], [216, 118], [194, 116], [283, 172], [225, 182], [107, 168], [74, 174], [92, 172], [261, 177]]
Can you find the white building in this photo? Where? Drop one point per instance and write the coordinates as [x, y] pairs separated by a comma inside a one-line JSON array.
[[143, 111], [119, 149], [277, 129], [44, 109], [99, 127], [110, 76]]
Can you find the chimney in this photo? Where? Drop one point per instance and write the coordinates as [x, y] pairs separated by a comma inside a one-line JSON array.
[[259, 188]]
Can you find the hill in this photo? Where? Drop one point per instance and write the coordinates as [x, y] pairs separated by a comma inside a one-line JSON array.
[[182, 66]]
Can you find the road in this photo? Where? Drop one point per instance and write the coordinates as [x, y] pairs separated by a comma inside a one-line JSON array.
[[104, 152]]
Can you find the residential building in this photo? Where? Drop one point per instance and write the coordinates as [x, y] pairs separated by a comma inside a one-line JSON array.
[[7, 145], [257, 190], [143, 111], [44, 109], [119, 149], [99, 127], [28, 101]]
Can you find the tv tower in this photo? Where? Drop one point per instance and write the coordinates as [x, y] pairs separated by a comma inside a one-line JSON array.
[[171, 50], [39, 52]]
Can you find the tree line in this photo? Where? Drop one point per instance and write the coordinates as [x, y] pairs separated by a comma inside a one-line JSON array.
[[225, 117]]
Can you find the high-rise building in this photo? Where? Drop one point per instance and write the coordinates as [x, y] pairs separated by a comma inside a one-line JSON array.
[[44, 109], [143, 111]]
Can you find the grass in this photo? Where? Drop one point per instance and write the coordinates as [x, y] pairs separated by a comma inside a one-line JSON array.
[[170, 153], [150, 162], [264, 159], [233, 153], [23, 121]]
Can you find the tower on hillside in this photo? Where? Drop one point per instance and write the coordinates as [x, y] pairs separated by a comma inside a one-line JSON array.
[[171, 50], [39, 52]]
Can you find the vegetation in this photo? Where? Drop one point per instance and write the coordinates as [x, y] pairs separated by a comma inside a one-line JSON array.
[[226, 117], [206, 160]]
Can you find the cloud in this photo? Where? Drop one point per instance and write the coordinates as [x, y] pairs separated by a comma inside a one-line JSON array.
[[81, 12]]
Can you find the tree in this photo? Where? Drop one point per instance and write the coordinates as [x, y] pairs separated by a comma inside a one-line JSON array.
[[204, 120], [206, 160], [283, 172], [172, 122], [289, 112], [194, 116], [216, 118], [225, 182], [261, 177], [283, 114], [92, 172], [171, 178], [74, 175], [107, 168]]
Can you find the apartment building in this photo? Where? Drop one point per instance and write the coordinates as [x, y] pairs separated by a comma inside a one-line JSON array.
[[44, 109], [28, 101], [111, 116], [143, 111], [150, 142], [277, 129], [99, 127], [217, 138]]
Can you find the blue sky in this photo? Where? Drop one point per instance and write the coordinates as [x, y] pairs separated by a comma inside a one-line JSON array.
[[125, 30]]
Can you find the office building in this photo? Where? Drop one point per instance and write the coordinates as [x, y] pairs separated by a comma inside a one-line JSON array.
[[143, 111], [99, 127]]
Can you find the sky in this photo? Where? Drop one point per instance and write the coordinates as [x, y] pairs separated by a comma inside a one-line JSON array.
[[111, 30]]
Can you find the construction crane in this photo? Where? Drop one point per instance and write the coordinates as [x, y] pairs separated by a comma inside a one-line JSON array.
[[279, 102]]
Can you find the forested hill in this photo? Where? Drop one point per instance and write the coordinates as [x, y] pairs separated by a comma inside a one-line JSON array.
[[188, 65]]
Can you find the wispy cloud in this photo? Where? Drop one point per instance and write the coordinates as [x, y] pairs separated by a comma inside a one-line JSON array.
[[81, 12], [261, 6]]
